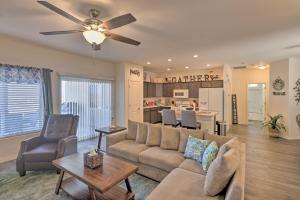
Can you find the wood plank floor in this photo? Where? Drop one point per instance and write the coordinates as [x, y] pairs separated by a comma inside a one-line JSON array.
[[272, 165]]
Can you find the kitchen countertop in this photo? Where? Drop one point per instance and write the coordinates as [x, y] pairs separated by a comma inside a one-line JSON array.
[[199, 113], [156, 106]]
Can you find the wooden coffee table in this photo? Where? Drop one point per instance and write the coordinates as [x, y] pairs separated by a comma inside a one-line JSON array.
[[100, 183]]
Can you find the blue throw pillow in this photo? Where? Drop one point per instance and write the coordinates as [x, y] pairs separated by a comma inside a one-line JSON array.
[[195, 148], [209, 155]]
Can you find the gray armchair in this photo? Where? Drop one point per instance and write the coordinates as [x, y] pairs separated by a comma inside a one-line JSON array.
[[57, 139]]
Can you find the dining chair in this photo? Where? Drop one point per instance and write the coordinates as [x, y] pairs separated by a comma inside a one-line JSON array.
[[169, 118], [189, 120]]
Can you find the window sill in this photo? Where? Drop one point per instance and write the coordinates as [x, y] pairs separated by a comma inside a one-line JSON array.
[[20, 134]]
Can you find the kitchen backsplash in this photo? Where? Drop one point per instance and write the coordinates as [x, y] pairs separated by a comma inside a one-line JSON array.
[[165, 101]]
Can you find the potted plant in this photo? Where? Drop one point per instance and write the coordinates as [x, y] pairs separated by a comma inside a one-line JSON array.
[[275, 125]]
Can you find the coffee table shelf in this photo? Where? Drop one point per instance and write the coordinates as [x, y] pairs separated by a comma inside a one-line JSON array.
[[79, 191]]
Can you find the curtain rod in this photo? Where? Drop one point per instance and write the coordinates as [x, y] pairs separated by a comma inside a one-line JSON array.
[[51, 70]]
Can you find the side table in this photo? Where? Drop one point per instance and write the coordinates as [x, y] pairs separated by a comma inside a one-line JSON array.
[[107, 131]]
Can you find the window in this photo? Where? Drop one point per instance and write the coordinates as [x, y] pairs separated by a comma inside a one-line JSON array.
[[21, 108], [91, 100]]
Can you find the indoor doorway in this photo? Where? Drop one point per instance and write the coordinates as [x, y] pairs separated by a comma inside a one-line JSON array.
[[256, 102]]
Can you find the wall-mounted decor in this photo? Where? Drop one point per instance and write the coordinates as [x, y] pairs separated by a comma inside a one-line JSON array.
[[135, 72], [297, 91], [192, 78], [278, 85], [298, 120]]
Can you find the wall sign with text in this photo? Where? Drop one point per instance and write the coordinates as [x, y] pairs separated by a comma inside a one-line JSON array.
[[192, 78], [278, 86], [135, 72]]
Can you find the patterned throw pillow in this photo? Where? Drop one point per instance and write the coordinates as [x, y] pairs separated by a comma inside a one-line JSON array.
[[209, 155], [195, 148]]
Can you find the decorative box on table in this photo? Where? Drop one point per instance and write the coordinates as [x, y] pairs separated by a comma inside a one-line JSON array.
[[93, 159]]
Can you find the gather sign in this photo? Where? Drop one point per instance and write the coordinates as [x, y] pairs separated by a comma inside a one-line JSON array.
[[192, 78]]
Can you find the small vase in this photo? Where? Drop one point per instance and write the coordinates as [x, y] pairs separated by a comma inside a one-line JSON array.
[[274, 133]]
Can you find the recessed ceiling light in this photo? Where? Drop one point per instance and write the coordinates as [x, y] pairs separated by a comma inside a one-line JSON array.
[[170, 60], [262, 67], [187, 67], [196, 56], [208, 65], [148, 63], [169, 69]]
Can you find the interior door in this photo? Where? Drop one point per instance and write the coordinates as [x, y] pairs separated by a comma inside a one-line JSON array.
[[134, 99]]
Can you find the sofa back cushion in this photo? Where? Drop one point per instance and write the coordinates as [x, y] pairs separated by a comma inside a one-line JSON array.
[[220, 140], [184, 135], [170, 138], [221, 170], [142, 132], [154, 135], [132, 130]]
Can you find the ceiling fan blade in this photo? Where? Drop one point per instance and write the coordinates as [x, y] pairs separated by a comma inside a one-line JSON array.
[[121, 39], [293, 46], [60, 32], [119, 21], [60, 12]]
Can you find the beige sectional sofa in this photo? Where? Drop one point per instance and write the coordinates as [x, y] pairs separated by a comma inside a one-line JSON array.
[[162, 158]]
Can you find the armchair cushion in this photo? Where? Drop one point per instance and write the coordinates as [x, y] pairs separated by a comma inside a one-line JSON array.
[[58, 126], [42, 153]]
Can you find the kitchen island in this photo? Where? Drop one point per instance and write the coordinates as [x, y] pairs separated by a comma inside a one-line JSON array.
[[207, 119]]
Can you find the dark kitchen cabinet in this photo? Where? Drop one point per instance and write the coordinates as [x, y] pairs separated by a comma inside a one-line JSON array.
[[149, 90], [180, 86], [168, 89], [152, 90], [194, 89], [159, 89], [145, 90], [147, 116], [212, 84], [154, 115]]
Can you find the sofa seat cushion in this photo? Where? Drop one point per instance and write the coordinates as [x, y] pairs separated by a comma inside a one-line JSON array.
[[42, 153], [181, 184], [127, 149], [160, 158], [193, 166]]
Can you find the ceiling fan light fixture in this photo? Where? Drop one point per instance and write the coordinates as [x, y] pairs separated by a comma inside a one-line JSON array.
[[92, 37]]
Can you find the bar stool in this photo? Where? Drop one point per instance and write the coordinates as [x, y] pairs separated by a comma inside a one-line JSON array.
[[169, 118], [188, 120]]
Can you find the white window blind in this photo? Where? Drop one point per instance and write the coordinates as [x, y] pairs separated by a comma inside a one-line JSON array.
[[91, 100], [21, 108]]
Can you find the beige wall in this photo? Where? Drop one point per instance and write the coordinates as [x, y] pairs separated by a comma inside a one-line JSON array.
[[240, 80], [122, 83], [289, 71], [294, 109], [19, 52]]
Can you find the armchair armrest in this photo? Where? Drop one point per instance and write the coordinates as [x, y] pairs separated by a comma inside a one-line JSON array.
[[67, 146], [115, 138], [29, 144], [26, 145]]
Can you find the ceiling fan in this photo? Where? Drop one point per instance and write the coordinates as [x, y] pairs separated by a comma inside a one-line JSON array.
[[93, 29]]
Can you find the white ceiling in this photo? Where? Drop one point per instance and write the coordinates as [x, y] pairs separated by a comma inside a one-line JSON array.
[[220, 32]]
